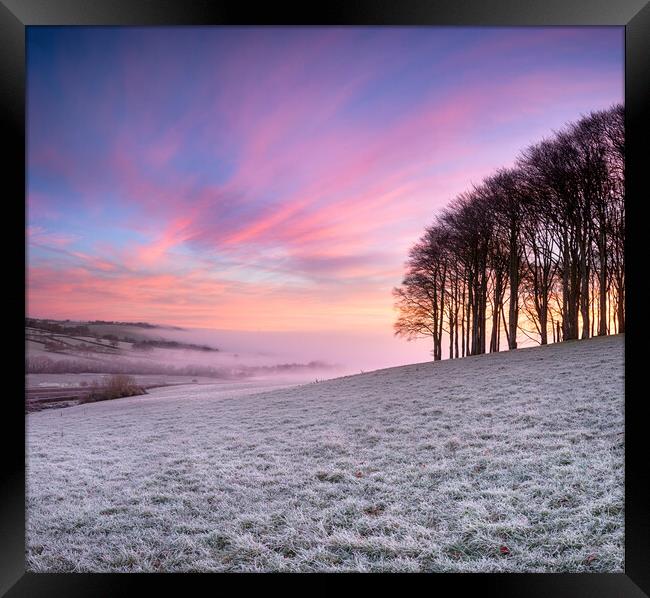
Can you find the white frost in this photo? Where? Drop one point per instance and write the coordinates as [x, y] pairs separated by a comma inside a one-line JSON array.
[[427, 467]]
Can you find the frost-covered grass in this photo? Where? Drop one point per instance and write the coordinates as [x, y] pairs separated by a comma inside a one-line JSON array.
[[505, 462]]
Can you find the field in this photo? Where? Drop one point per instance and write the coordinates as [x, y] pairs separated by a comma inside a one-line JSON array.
[[503, 462]]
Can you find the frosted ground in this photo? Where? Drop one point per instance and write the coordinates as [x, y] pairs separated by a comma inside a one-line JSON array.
[[504, 462]]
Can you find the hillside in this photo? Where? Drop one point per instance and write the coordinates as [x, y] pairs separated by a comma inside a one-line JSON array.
[[79, 337], [504, 462], [98, 347]]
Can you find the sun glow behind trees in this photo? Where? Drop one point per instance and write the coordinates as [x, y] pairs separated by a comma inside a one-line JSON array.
[[543, 240]]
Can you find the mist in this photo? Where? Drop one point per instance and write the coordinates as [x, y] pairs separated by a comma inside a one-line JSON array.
[[345, 352]]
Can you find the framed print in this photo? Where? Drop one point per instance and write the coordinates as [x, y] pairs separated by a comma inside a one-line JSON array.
[[348, 292]]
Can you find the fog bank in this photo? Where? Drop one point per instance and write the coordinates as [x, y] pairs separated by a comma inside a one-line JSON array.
[[349, 352]]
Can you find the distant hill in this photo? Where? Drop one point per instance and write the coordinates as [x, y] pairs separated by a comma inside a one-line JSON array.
[[73, 324], [152, 344], [99, 336], [55, 346], [111, 331], [134, 324]]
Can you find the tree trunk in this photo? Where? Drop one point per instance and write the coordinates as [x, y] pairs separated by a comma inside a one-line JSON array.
[[494, 339], [584, 293], [566, 324], [543, 320], [483, 309], [620, 308], [513, 308], [602, 325]]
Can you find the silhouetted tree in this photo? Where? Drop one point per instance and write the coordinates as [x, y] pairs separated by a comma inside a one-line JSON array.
[[545, 236]]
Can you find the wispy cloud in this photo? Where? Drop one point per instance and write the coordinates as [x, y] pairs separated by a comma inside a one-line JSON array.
[[274, 179]]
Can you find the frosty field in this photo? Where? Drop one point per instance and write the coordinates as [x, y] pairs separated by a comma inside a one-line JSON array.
[[503, 462]]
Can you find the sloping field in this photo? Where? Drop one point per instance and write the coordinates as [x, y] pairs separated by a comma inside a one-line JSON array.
[[504, 462]]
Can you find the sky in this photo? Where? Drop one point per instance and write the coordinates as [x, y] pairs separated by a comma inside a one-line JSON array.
[[273, 179]]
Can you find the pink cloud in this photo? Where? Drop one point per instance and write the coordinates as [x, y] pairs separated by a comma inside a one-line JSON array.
[[316, 200]]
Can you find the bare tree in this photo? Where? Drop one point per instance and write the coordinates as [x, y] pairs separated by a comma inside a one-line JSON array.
[[545, 237]]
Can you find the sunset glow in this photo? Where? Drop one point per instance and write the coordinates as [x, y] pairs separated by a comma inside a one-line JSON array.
[[274, 178]]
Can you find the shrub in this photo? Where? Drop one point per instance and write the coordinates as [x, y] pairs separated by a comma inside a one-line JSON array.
[[115, 387], [54, 346]]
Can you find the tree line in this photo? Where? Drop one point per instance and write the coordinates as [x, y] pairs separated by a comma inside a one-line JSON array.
[[534, 250]]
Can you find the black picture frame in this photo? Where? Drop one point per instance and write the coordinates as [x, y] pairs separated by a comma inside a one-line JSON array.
[[634, 15]]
